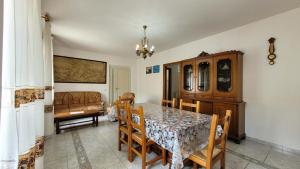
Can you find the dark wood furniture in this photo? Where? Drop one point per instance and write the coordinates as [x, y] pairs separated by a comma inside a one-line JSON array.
[[66, 103], [216, 80], [67, 116]]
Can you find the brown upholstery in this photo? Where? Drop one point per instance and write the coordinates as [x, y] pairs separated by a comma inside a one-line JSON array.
[[61, 102], [93, 100], [77, 101]]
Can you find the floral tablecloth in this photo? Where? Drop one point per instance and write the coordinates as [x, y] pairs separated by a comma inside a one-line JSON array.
[[180, 132]]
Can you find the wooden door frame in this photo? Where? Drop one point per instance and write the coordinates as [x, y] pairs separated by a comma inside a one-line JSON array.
[[110, 85], [164, 76]]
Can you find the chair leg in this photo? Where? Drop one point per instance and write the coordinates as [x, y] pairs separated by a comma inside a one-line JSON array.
[[119, 140], [195, 166], [130, 158], [223, 161], [164, 156], [144, 149]]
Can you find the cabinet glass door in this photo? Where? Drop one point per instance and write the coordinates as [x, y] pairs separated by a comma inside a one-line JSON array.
[[224, 79], [188, 77], [203, 76]]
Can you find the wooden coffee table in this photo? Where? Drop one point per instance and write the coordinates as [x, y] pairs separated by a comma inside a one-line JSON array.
[[66, 116]]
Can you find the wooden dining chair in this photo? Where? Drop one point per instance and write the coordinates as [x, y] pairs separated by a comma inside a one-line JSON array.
[[215, 150], [191, 105], [169, 102], [123, 123], [137, 124]]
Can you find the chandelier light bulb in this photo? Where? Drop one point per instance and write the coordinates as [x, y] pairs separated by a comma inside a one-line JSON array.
[[152, 48], [137, 47]]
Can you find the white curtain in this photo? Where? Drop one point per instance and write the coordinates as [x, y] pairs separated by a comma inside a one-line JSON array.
[[8, 128], [48, 78], [22, 125]]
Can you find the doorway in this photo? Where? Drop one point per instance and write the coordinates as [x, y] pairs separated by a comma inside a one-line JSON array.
[[171, 81], [120, 82]]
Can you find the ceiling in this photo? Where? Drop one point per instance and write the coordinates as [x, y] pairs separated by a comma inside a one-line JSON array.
[[114, 27]]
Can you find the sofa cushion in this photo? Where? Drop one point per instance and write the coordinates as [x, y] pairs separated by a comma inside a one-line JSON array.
[[76, 101], [61, 102], [92, 98]]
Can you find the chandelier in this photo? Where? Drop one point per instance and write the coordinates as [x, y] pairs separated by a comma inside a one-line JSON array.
[[143, 49]]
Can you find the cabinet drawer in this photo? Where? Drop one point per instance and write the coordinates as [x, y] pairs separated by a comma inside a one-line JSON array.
[[187, 95]]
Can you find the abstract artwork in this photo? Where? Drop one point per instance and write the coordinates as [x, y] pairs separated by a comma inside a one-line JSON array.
[[156, 69], [75, 70]]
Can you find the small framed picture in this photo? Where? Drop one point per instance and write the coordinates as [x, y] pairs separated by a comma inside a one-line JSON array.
[[149, 70], [156, 69]]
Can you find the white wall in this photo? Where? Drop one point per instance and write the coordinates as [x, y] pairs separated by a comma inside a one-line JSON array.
[[102, 88], [272, 93]]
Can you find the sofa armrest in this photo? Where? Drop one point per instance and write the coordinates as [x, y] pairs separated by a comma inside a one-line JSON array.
[[102, 105]]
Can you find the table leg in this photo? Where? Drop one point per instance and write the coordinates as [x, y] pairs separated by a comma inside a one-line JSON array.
[[97, 120], [57, 127]]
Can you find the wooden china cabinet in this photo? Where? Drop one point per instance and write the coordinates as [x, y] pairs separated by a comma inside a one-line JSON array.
[[216, 81]]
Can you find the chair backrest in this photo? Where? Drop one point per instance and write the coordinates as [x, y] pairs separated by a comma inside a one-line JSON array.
[[127, 96], [211, 139], [221, 140], [122, 113], [225, 123], [169, 102], [136, 119], [191, 105]]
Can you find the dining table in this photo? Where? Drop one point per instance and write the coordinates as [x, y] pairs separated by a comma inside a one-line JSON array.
[[180, 132]]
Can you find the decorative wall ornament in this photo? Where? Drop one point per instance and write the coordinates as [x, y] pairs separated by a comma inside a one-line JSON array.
[[39, 145], [203, 54], [75, 70], [23, 96], [272, 55], [48, 108]]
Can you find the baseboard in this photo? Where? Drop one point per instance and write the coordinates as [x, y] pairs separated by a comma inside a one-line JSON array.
[[276, 146]]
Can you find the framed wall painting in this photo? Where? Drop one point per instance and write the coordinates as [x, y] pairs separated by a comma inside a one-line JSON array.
[[155, 69], [76, 70], [149, 70]]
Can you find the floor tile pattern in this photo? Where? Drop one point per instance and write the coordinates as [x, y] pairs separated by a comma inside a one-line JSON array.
[[96, 148], [82, 157]]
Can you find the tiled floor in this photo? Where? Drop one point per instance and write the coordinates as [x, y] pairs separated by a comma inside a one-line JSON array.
[[96, 147]]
